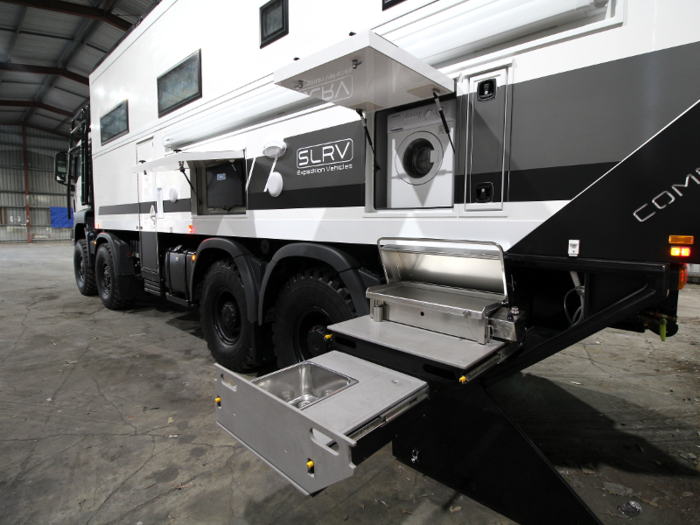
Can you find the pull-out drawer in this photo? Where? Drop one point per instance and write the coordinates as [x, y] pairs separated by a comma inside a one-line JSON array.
[[306, 421]]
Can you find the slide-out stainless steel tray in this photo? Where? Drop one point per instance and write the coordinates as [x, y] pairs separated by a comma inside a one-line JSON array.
[[305, 420], [432, 346]]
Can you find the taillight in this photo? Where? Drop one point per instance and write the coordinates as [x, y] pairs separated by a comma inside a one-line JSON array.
[[680, 251]]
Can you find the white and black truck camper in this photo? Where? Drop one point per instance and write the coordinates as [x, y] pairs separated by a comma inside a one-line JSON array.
[[400, 203]]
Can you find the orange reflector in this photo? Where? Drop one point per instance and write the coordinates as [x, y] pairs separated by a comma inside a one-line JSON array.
[[190, 228], [683, 276], [681, 239], [680, 251], [194, 256]]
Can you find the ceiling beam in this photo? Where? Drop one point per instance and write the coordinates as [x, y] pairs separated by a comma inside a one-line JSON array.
[[38, 128], [42, 70], [70, 8], [84, 33], [19, 146], [47, 130], [35, 104], [86, 30], [13, 38]]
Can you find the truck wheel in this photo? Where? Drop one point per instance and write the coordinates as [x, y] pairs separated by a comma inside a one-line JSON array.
[[84, 274], [108, 288], [309, 302], [222, 311]]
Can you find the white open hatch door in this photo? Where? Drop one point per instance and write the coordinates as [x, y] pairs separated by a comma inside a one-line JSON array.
[[172, 162], [364, 72]]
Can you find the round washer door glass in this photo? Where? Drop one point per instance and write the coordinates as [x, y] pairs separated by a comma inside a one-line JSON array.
[[419, 158]]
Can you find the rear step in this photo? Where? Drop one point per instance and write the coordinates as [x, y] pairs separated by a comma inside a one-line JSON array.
[[154, 287]]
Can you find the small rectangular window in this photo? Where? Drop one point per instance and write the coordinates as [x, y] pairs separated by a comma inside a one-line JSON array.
[[180, 85], [115, 123], [386, 4], [274, 21]]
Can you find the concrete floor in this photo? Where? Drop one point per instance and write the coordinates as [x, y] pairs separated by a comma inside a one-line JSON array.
[[107, 417]]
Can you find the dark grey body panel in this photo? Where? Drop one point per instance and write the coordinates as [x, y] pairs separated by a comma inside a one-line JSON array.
[[149, 252], [181, 205], [601, 113], [570, 129], [488, 158], [310, 179]]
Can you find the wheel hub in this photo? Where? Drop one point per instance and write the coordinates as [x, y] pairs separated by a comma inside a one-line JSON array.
[[81, 269], [107, 277], [317, 340], [229, 315]]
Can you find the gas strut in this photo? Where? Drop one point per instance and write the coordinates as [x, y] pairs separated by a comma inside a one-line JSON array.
[[182, 170], [444, 120], [369, 139]]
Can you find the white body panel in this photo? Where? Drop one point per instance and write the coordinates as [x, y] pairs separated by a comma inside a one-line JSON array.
[[233, 66]]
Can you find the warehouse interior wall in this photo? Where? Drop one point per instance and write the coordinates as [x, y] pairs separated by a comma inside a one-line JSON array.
[[29, 196]]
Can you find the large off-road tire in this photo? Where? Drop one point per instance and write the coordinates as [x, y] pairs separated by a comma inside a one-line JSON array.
[[222, 311], [109, 289], [84, 273], [309, 302]]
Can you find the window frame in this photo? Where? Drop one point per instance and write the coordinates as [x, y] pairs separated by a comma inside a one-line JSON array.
[[184, 101], [387, 4], [283, 31], [104, 141]]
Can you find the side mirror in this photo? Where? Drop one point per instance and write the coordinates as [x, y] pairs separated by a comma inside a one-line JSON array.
[[60, 167]]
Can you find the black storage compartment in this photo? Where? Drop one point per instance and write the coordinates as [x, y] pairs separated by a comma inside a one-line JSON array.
[[226, 185], [178, 267]]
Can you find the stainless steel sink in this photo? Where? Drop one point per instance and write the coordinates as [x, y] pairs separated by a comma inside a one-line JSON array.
[[304, 384]]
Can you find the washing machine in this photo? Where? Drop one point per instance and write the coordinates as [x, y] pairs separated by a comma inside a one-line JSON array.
[[420, 157]]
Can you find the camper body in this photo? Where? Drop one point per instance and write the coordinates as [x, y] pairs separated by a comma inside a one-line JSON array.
[[553, 139]]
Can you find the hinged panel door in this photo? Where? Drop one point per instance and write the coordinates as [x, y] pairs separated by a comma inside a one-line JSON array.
[[488, 130], [148, 212]]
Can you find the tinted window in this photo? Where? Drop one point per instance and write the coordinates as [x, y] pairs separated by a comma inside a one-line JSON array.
[[386, 4], [274, 21], [181, 85], [115, 123]]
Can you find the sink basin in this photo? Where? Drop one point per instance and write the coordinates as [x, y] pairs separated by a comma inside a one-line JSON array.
[[304, 384]]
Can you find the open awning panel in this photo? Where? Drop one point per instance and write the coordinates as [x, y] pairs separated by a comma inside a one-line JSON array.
[[364, 72], [172, 162]]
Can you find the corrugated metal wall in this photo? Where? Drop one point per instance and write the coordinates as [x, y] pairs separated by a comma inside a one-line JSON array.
[[44, 191], [694, 273]]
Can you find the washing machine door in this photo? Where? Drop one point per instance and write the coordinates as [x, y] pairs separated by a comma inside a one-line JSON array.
[[418, 158]]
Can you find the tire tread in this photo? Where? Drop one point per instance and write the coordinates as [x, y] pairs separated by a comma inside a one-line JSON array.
[[243, 362], [118, 302], [90, 287], [322, 274]]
